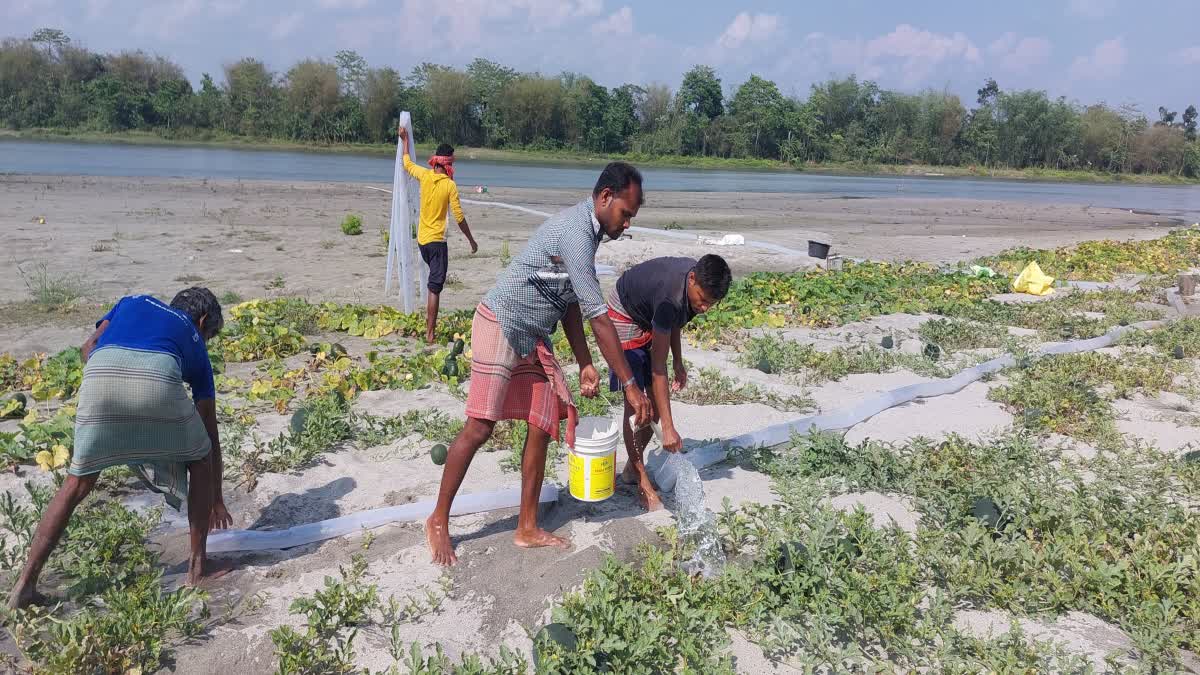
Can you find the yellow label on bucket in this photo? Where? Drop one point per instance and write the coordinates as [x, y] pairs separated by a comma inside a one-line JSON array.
[[591, 478]]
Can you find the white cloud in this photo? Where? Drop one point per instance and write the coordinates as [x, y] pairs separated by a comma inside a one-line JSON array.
[[285, 26], [747, 27], [1188, 56], [1016, 54], [470, 21], [343, 4], [619, 22], [1106, 61], [915, 54], [164, 20], [1091, 9]]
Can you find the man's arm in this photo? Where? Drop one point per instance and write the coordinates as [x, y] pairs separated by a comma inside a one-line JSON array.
[[456, 209], [220, 518], [578, 250], [572, 323], [677, 352], [610, 348], [660, 390], [410, 166], [90, 344]]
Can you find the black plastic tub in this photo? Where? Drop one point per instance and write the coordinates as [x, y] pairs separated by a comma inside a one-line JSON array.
[[817, 249]]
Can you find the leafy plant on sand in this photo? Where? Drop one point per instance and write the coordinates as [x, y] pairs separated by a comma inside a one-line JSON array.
[[352, 224], [52, 290], [116, 616], [1071, 394], [711, 387], [829, 298], [1107, 259]]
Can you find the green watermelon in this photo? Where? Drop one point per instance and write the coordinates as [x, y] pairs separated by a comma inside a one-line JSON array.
[[17, 403], [299, 420], [555, 633], [790, 555], [438, 454]]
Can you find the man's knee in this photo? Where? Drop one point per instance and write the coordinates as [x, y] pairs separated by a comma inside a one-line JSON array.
[[78, 487], [477, 431]]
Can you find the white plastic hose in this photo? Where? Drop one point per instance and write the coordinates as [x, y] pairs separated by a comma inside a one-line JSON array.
[[665, 474], [266, 540]]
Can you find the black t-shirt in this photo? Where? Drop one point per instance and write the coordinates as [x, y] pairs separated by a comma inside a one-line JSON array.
[[654, 293]]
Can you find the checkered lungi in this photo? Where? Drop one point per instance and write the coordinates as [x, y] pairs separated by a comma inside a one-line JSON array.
[[505, 386], [134, 410], [631, 335]]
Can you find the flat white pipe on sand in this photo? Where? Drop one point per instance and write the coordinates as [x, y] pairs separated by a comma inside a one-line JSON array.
[[644, 230], [268, 540], [665, 474]]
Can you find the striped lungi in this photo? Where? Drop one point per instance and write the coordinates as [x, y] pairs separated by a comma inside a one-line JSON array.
[[134, 410], [631, 335], [505, 386]]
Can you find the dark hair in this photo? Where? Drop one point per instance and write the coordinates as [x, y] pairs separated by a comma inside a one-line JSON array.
[[712, 273], [199, 302], [445, 150], [618, 176]]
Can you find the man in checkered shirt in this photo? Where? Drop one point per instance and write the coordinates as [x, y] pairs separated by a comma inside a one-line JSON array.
[[514, 374]]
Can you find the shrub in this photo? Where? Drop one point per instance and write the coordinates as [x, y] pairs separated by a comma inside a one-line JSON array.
[[352, 224]]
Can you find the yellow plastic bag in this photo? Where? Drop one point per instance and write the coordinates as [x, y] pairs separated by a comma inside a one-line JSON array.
[[1033, 281]]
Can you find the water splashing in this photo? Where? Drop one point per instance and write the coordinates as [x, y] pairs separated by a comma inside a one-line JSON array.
[[696, 522]]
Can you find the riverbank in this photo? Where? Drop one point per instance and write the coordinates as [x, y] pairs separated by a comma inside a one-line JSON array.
[[122, 235], [585, 158]]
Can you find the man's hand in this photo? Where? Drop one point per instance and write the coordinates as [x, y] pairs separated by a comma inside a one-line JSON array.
[[474, 247], [220, 518], [589, 381], [680, 378], [671, 441], [402, 132], [640, 404]]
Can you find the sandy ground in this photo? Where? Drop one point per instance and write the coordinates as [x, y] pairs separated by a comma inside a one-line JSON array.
[[155, 235], [127, 235]]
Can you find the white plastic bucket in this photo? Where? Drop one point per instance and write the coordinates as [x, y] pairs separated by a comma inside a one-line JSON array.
[[592, 463]]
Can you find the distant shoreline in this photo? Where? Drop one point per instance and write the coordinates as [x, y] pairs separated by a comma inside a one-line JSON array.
[[573, 157]]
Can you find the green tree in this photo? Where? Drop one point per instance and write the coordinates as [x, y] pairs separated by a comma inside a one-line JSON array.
[[381, 102], [451, 106], [700, 92], [252, 98], [1189, 122], [312, 93], [352, 72], [758, 109], [488, 80]]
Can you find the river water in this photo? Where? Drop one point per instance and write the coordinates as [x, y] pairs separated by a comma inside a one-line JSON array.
[[101, 159]]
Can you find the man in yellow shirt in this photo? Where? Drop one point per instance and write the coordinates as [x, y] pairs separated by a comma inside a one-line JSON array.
[[438, 194]]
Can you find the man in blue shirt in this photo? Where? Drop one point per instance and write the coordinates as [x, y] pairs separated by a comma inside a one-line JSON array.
[[135, 410]]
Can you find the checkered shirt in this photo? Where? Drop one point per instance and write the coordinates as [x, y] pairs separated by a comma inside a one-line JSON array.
[[557, 268]]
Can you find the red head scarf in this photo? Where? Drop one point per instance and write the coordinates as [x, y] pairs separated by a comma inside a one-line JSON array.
[[444, 161]]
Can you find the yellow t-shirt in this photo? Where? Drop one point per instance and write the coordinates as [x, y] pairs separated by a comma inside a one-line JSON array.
[[438, 192]]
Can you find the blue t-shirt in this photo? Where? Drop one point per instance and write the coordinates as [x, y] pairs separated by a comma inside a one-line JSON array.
[[144, 323]]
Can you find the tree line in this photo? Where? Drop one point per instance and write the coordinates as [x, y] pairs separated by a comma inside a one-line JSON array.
[[47, 81]]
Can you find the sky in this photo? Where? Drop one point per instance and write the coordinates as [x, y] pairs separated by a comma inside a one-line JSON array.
[[1115, 51]]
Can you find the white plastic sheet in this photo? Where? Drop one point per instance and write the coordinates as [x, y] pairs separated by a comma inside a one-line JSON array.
[[403, 263], [266, 540]]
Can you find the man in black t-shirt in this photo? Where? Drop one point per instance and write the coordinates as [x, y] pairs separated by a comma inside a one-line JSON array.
[[649, 306]]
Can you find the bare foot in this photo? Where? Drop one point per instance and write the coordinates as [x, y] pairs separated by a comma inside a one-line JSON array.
[[629, 476], [22, 598], [539, 538], [437, 534], [647, 495]]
